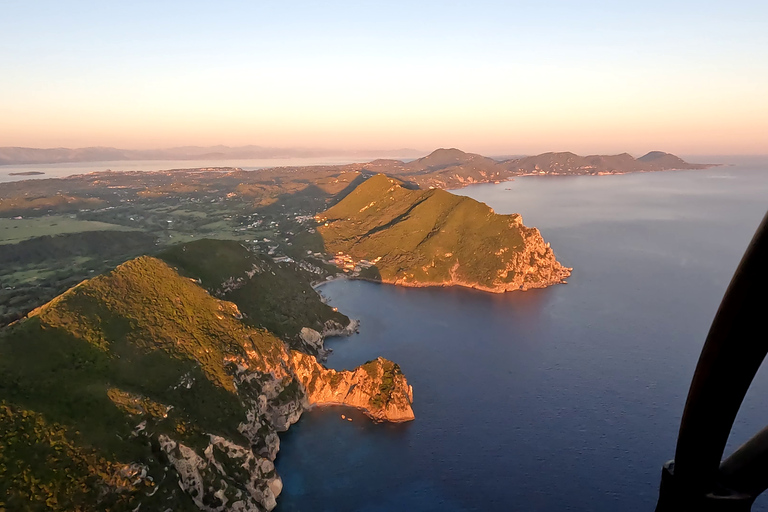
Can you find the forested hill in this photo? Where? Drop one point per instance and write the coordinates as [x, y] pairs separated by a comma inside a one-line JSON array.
[[435, 238]]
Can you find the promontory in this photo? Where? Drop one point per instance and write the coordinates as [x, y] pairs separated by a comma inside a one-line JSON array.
[[397, 235], [139, 390]]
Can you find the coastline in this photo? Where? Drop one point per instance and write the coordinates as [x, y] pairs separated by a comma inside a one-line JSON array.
[[472, 286], [448, 284]]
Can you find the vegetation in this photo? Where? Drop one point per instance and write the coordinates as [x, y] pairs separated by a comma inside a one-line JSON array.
[[35, 271], [390, 372], [16, 230], [83, 371], [144, 304], [41, 468], [274, 296], [61, 239], [423, 236]]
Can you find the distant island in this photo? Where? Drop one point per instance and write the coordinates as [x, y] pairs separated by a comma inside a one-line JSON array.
[[391, 234], [26, 173], [453, 168], [13, 155]]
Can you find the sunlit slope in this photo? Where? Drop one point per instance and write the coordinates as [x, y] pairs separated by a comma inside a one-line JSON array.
[[140, 345], [140, 388], [432, 237], [278, 297]]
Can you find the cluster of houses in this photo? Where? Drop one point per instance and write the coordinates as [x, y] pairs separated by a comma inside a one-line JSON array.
[[347, 263]]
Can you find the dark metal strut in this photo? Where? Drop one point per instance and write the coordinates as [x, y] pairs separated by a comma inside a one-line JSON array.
[[737, 343]]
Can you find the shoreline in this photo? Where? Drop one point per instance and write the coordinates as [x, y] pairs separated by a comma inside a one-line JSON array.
[[88, 167], [338, 277], [451, 284], [470, 286]]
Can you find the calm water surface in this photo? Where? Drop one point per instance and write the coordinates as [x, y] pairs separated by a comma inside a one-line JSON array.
[[9, 173], [567, 398]]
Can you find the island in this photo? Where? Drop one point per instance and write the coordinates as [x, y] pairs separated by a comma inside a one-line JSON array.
[[26, 173], [450, 168], [389, 233]]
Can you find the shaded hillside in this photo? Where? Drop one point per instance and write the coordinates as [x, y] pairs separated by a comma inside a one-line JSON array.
[[138, 388], [276, 296], [435, 238]]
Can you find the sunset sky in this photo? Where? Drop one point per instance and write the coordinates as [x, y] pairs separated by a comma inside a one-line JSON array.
[[496, 77]]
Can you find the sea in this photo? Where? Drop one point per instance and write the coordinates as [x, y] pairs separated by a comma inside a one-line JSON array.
[[21, 172], [562, 399]]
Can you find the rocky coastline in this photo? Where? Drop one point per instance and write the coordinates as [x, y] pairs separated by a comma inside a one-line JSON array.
[[384, 232], [224, 463]]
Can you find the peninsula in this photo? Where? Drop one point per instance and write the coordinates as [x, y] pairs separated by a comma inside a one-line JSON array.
[[150, 365], [435, 238], [26, 173], [141, 390]]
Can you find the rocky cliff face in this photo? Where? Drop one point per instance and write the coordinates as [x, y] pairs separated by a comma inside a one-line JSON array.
[[434, 238], [228, 476], [378, 387], [532, 266], [169, 366]]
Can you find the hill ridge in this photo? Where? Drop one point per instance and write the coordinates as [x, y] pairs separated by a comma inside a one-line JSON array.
[[435, 238], [164, 384]]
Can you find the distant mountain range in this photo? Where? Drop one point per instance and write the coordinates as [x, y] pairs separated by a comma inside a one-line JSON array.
[[435, 238], [19, 155], [442, 160], [452, 168]]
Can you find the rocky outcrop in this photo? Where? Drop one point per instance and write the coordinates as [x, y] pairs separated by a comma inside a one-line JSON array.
[[533, 265], [385, 232], [378, 387], [312, 341], [215, 359], [334, 328], [312, 338], [227, 477]]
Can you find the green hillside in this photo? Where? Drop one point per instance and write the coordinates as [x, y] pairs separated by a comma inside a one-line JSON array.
[[276, 296], [139, 388], [432, 237], [85, 369]]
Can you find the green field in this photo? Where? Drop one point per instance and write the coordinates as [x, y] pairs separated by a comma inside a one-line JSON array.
[[13, 230]]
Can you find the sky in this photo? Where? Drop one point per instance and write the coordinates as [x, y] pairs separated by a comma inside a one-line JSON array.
[[495, 77]]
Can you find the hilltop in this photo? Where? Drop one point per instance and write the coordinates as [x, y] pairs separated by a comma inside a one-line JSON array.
[[443, 168], [453, 168], [665, 161], [435, 238], [138, 388]]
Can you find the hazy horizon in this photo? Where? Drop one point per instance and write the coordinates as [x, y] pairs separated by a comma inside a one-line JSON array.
[[407, 153], [496, 78]]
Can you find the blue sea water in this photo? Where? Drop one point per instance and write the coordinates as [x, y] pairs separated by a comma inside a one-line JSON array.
[[562, 399]]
